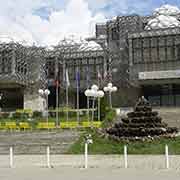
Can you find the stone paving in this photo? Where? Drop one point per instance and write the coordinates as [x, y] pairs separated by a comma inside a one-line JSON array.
[[153, 162], [58, 173]]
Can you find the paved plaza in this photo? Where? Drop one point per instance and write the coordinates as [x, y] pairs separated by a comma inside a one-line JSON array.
[[105, 167], [86, 174]]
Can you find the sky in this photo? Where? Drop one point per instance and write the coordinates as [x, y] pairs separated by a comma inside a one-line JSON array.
[[45, 22]]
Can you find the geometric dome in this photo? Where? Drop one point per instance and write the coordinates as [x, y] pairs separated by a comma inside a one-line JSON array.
[[16, 39], [167, 10], [90, 46], [165, 17], [161, 22]]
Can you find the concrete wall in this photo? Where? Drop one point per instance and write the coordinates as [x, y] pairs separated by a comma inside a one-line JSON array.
[[33, 101]]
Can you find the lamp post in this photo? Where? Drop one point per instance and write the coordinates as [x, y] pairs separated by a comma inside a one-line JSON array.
[[110, 88], [45, 93], [0, 99], [94, 92], [88, 95], [100, 95]]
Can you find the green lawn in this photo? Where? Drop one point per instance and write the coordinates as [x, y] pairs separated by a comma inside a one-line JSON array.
[[105, 146]]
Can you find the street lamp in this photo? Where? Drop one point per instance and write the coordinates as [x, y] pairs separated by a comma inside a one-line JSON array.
[[45, 93], [100, 94], [94, 92], [110, 88], [0, 99]]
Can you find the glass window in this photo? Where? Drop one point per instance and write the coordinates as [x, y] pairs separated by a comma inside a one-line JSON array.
[[162, 55], [146, 42], [154, 55], [162, 41], [137, 56], [154, 42], [146, 55]]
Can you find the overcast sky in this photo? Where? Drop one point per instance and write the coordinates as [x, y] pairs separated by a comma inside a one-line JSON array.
[[47, 21]]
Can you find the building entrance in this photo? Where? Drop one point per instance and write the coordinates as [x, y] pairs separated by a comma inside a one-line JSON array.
[[163, 95], [12, 99]]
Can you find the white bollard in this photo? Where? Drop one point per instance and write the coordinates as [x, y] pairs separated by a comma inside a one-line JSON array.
[[11, 157], [125, 157], [167, 156], [86, 155], [48, 157]]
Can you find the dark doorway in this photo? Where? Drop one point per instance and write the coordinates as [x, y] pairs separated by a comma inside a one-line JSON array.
[[12, 99]]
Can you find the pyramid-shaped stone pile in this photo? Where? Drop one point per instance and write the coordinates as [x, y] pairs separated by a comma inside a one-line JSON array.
[[142, 122]]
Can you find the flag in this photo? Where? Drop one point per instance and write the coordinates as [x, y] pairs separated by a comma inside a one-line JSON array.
[[105, 74], [99, 76], [56, 79], [56, 83], [64, 73], [77, 78], [67, 78], [87, 77]]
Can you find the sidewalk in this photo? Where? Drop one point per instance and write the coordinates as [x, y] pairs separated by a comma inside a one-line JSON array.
[[94, 161]]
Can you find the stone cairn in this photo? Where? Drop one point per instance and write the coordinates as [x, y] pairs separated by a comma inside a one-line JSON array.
[[141, 123]]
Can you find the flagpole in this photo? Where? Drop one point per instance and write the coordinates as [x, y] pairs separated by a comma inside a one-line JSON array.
[[67, 103], [88, 99], [57, 102], [98, 76], [93, 106], [77, 81], [99, 109], [57, 92], [88, 107]]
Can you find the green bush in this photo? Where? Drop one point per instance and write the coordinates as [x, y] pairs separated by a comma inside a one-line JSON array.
[[52, 114], [109, 118], [72, 114], [37, 114], [4, 115], [103, 108], [17, 115]]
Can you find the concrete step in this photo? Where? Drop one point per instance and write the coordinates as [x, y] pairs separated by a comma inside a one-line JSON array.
[[36, 142], [170, 115]]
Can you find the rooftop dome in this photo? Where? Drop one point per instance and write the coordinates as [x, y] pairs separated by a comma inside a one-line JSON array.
[[6, 39], [78, 45], [90, 46], [161, 22], [165, 17], [10, 39], [167, 10]]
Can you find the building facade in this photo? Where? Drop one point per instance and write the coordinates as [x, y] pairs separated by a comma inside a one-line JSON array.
[[149, 45], [24, 69]]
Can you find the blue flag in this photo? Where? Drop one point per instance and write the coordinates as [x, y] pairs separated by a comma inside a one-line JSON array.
[[77, 78], [87, 77]]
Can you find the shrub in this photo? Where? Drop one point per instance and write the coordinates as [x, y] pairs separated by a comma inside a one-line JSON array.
[[109, 118], [37, 114], [4, 115], [103, 108], [17, 115], [72, 114]]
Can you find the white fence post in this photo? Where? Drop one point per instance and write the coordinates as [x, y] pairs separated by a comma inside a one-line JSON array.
[[86, 155], [125, 157], [48, 157], [167, 156], [11, 157]]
